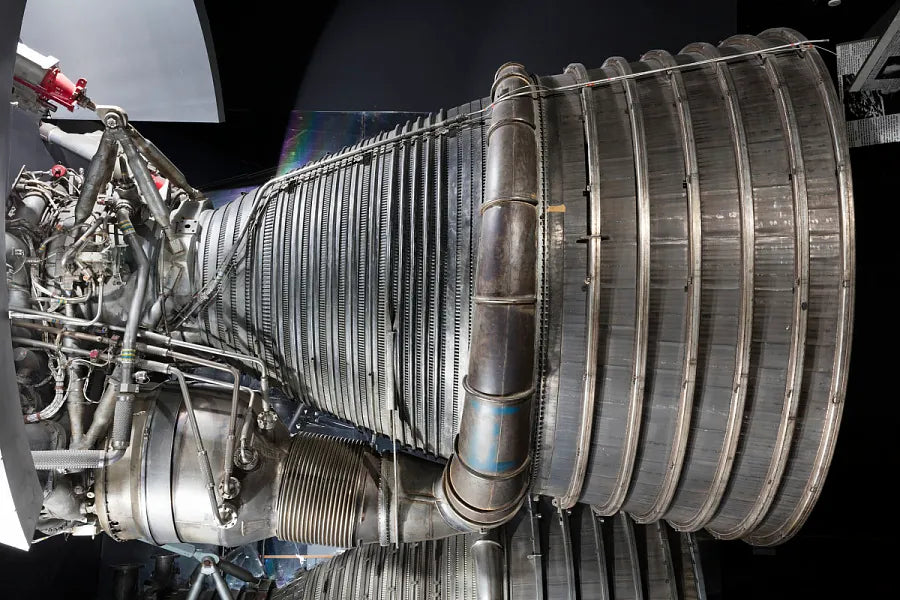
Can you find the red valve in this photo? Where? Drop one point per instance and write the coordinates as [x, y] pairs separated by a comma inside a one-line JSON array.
[[58, 171]]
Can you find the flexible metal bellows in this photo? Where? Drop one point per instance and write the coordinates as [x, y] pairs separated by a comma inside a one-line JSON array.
[[323, 493], [695, 264]]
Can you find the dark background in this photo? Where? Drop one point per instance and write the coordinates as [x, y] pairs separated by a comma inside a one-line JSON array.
[[418, 56]]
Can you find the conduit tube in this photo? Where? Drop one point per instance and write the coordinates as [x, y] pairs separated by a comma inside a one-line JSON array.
[[122, 415], [98, 174], [148, 190], [487, 477]]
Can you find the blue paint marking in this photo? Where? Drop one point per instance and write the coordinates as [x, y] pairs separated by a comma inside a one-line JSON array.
[[486, 461], [493, 409]]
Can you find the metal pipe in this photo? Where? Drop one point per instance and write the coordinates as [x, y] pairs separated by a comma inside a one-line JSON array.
[[49, 460], [98, 174], [58, 348], [221, 586], [228, 459], [21, 312], [74, 459], [489, 577], [129, 338], [170, 341], [122, 415], [248, 418], [121, 428], [228, 466], [32, 207], [487, 477], [76, 335], [196, 588], [202, 455], [103, 414], [150, 194], [70, 252], [59, 399], [75, 403], [162, 163], [84, 145], [63, 300], [75, 400], [229, 568], [17, 279], [244, 440]]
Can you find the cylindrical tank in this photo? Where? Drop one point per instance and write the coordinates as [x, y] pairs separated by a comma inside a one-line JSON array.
[[157, 492], [695, 265]]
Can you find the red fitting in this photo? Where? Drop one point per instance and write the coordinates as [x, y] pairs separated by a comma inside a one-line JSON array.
[[159, 181], [57, 87], [58, 171]]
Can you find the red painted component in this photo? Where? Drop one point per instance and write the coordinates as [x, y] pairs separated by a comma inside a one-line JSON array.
[[159, 181], [58, 171], [57, 87]]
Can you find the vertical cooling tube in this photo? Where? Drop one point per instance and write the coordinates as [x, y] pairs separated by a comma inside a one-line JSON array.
[[488, 475]]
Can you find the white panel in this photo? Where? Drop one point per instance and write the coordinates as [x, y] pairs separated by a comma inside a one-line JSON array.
[[150, 58]]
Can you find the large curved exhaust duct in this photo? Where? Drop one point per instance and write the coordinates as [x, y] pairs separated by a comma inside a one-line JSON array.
[[690, 277]]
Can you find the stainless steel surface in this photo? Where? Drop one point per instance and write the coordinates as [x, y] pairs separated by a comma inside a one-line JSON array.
[[803, 480], [162, 498], [750, 173], [326, 333], [645, 272], [84, 145], [610, 498], [693, 274], [638, 564], [310, 489], [696, 238], [744, 205], [594, 296], [488, 475], [489, 559], [328, 494]]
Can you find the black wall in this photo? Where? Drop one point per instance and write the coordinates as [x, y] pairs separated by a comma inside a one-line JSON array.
[[400, 55], [847, 549], [419, 56]]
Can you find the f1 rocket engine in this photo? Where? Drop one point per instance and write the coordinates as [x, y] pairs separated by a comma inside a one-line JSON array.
[[628, 287]]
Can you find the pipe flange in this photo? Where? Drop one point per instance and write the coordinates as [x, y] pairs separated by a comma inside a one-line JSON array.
[[266, 420], [228, 512], [232, 490], [246, 459], [478, 519]]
